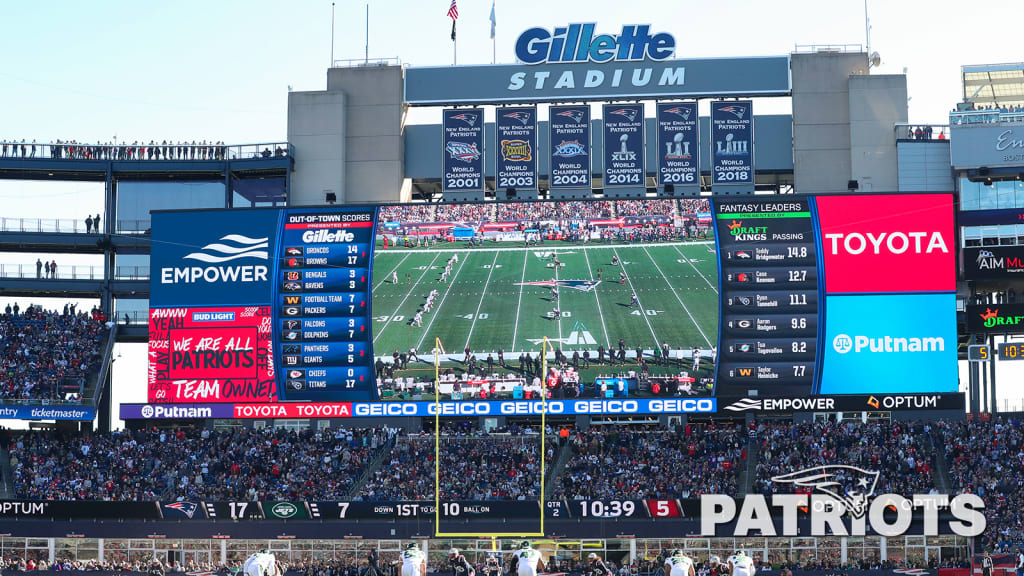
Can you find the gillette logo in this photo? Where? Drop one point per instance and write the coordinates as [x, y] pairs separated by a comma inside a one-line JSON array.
[[889, 242], [577, 43], [326, 236], [843, 344]]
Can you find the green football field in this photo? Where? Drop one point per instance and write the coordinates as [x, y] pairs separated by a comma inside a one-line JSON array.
[[489, 304]]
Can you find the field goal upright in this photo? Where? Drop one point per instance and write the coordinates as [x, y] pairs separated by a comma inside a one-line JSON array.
[[438, 532]]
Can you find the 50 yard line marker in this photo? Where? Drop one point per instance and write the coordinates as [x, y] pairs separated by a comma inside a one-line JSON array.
[[633, 290], [519, 306], [483, 294]]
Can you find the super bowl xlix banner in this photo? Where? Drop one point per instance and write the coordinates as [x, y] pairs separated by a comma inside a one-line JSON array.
[[463, 150], [516, 157], [624, 145], [732, 143], [678, 149], [570, 147]]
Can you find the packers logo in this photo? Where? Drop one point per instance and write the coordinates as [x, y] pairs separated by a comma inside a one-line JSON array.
[[516, 150]]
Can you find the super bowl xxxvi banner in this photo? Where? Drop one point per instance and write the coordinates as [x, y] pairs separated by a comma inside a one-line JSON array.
[[624, 145], [678, 148], [463, 150], [732, 143], [570, 147], [516, 156]]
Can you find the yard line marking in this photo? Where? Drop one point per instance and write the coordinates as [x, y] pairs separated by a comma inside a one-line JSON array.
[[388, 275], [462, 264], [633, 290], [540, 248], [600, 314], [713, 287], [483, 293], [399, 307], [515, 329], [687, 310]]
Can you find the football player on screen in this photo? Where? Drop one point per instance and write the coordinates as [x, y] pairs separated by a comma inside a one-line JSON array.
[[526, 561], [679, 564], [414, 563]]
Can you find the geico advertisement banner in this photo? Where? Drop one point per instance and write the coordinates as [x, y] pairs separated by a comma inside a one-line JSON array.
[[47, 413], [876, 342], [379, 409], [994, 262], [212, 258], [995, 318], [516, 148], [463, 150], [890, 243]]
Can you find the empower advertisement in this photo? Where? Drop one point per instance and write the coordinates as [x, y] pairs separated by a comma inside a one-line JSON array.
[[570, 146], [516, 148], [994, 262], [732, 142], [678, 145], [624, 146], [463, 149]]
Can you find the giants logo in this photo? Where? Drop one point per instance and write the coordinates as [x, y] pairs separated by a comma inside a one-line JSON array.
[[898, 243]]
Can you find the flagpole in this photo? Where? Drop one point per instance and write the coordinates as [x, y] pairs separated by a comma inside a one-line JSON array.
[[494, 41]]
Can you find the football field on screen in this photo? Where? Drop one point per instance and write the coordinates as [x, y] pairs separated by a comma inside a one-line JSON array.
[[502, 297]]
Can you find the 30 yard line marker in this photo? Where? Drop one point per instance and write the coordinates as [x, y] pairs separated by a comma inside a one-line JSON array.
[[440, 305], [633, 290], [399, 307], [687, 310], [483, 293], [515, 329], [713, 287]]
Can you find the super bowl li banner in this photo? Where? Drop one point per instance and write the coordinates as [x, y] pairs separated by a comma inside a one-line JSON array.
[[463, 150], [678, 149], [570, 147], [516, 158], [732, 143], [624, 145]]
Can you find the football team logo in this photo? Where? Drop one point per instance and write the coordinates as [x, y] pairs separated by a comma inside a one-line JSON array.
[[575, 113], [628, 113], [737, 111], [466, 117], [581, 285], [291, 275], [293, 251], [463, 151], [681, 111], [186, 508], [231, 247], [849, 484], [569, 149], [520, 116], [516, 151]]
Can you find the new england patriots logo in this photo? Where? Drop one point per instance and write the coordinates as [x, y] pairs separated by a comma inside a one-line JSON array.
[[629, 113], [575, 113], [581, 285], [463, 151], [849, 484], [519, 115], [680, 111], [469, 119], [737, 111], [186, 508]]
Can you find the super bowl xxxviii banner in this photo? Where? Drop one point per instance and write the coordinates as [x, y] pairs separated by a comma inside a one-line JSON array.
[[516, 157], [463, 150], [732, 143], [678, 148], [624, 145], [570, 147]]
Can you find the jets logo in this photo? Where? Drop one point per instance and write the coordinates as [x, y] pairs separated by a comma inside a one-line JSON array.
[[581, 285], [628, 113], [737, 111], [575, 113], [681, 111], [521, 116], [469, 119], [849, 484]]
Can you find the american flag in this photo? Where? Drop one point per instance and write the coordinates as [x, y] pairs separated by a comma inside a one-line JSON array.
[[453, 12]]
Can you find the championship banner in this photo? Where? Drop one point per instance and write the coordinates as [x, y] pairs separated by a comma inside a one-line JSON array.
[[678, 145], [570, 147], [732, 143], [516, 146], [624, 146], [463, 130]]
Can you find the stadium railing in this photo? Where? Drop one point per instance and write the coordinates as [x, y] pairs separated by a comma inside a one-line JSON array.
[[63, 225], [969, 117], [48, 151], [907, 131], [73, 272]]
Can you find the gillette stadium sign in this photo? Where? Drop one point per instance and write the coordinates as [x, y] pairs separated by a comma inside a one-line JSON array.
[[578, 62]]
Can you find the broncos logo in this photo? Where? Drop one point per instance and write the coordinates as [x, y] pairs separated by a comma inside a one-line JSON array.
[[680, 111], [629, 113], [467, 118], [519, 115], [737, 111], [849, 484], [575, 113]]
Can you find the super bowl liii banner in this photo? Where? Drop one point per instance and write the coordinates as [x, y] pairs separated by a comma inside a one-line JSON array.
[[463, 150], [678, 148], [516, 157], [624, 145], [570, 147], [732, 143]]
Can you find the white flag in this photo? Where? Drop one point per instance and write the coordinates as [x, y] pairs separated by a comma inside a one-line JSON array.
[[492, 19]]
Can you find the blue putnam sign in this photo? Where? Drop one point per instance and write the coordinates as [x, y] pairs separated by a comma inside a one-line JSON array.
[[570, 147], [732, 143], [463, 150], [577, 43], [678, 144], [624, 145], [516, 148]]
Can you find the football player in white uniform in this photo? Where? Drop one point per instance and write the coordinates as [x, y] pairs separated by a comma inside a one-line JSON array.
[[527, 561], [414, 563], [261, 563], [679, 564], [741, 565]]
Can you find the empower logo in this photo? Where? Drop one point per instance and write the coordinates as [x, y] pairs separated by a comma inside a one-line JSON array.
[[844, 343], [230, 247]]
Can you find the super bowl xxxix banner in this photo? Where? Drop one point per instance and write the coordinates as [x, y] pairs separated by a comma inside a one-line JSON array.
[[570, 146], [463, 150]]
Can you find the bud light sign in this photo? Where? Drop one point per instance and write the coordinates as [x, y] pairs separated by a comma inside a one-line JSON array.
[[463, 150], [516, 157], [678, 149], [732, 143], [570, 147], [624, 145]]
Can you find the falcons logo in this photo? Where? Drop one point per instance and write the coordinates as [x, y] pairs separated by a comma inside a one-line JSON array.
[[680, 111], [519, 115], [469, 119], [575, 113], [849, 484], [629, 113], [737, 111]]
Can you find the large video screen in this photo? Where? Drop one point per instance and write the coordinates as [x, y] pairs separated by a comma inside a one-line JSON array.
[[656, 305]]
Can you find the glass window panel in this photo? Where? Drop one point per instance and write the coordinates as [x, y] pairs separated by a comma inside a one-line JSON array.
[[1005, 194], [135, 200], [255, 192], [970, 195], [988, 200]]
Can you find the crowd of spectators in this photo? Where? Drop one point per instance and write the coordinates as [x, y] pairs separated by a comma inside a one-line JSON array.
[[548, 211], [240, 464], [41, 351], [903, 453], [691, 206], [408, 213], [535, 212], [631, 463], [645, 208], [152, 150]]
